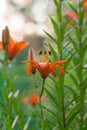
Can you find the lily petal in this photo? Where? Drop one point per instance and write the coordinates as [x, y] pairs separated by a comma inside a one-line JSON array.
[[61, 68], [53, 73], [1, 46], [56, 63], [11, 44], [28, 69], [36, 64], [14, 48], [19, 46]]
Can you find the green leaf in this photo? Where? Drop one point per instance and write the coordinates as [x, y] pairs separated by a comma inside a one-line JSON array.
[[74, 43], [68, 32], [56, 3], [4, 93], [55, 26], [77, 33], [53, 98], [59, 43], [81, 17], [51, 37], [44, 125], [54, 53], [70, 102], [72, 6], [72, 114], [74, 79], [64, 27]]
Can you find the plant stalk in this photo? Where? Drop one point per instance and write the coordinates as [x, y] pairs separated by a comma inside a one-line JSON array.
[[63, 104], [81, 85], [42, 90]]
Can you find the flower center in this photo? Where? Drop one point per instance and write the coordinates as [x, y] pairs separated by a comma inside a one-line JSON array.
[[42, 64]]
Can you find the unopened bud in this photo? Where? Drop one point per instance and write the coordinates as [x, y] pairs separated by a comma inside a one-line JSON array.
[[31, 54], [5, 37]]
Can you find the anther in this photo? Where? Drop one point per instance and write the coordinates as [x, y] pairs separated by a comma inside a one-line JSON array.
[[50, 53], [40, 53]]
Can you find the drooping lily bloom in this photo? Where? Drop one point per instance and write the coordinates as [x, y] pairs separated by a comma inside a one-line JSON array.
[[45, 67], [33, 99], [13, 48]]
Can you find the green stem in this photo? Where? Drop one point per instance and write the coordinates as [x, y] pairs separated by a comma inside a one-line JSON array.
[[63, 103], [62, 78], [63, 110], [42, 90], [81, 85]]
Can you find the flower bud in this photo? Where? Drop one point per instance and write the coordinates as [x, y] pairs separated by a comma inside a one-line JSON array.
[[5, 37]]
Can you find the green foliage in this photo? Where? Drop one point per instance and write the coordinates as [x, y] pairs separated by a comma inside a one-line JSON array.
[[69, 110]]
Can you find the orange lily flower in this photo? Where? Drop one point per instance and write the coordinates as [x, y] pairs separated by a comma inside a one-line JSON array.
[[45, 67], [13, 48], [33, 99]]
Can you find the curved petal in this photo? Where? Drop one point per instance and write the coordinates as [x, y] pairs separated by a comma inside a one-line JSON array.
[[53, 73], [19, 46], [61, 68], [36, 64], [10, 52], [56, 63], [59, 62], [28, 69], [39, 67], [15, 48], [11, 44]]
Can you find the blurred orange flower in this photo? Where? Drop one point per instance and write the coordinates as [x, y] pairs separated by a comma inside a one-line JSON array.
[[84, 0], [72, 16], [33, 99], [85, 5], [11, 47], [45, 67]]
